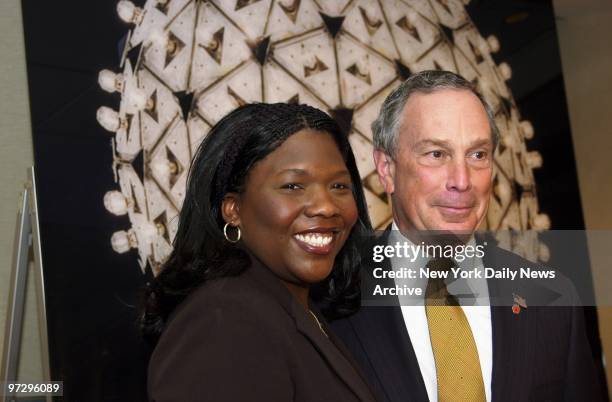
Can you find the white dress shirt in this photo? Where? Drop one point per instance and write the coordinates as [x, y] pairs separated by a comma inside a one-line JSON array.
[[478, 316]]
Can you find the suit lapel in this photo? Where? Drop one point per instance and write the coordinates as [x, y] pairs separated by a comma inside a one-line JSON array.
[[384, 338], [513, 334], [513, 351], [345, 352], [347, 372]]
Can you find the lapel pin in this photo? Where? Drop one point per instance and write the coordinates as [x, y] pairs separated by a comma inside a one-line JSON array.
[[518, 303]]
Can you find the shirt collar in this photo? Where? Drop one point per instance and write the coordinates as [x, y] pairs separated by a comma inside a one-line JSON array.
[[476, 286]]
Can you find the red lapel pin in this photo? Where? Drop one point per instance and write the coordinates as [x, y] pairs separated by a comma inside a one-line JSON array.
[[518, 303]]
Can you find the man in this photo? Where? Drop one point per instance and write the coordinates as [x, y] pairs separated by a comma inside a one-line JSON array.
[[434, 142]]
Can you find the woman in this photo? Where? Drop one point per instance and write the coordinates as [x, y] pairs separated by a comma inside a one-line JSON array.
[[270, 221]]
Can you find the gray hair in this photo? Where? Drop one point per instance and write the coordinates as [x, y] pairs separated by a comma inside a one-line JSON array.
[[386, 126]]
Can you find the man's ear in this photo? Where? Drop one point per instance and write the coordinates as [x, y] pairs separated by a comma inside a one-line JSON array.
[[230, 208], [385, 167]]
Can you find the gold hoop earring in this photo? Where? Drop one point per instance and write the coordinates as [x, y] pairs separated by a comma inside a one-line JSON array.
[[227, 237]]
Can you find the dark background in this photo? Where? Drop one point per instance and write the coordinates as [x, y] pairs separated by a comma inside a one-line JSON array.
[[93, 292]]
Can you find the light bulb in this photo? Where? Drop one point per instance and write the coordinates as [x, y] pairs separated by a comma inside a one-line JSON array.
[[505, 71], [543, 252], [128, 12], [120, 242], [503, 190], [541, 222], [534, 159], [108, 118], [493, 43], [508, 140], [110, 82], [527, 129], [116, 203], [483, 46], [483, 86]]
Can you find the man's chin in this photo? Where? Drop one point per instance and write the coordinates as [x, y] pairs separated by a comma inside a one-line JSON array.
[[443, 233], [460, 229]]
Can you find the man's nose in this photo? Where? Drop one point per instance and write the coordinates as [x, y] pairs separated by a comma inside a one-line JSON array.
[[458, 176], [321, 203]]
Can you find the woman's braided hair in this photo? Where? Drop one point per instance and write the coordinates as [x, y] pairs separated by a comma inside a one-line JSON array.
[[221, 165]]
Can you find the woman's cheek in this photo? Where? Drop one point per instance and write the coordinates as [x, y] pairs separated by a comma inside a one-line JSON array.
[[351, 214], [278, 211]]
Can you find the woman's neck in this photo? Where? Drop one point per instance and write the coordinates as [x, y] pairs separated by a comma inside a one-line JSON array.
[[300, 292]]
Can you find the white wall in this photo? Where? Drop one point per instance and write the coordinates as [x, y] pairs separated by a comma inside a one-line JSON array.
[[15, 158], [585, 35]]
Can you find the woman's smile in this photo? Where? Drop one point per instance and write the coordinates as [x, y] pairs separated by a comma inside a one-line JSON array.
[[317, 241]]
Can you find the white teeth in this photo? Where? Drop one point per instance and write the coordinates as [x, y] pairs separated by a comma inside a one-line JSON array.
[[315, 239]]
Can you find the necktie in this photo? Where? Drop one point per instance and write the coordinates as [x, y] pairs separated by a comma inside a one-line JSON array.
[[457, 364]]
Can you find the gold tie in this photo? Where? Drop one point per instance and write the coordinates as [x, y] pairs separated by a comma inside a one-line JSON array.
[[457, 364]]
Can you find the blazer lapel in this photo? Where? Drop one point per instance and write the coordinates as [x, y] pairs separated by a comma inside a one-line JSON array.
[[385, 339], [347, 354], [329, 349]]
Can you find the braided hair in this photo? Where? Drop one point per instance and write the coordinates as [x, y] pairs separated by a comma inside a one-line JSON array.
[[221, 164]]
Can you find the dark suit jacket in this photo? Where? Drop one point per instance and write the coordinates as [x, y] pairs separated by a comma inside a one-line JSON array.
[[246, 338], [540, 354]]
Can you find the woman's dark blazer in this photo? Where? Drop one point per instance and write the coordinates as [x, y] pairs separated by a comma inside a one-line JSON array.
[[246, 338]]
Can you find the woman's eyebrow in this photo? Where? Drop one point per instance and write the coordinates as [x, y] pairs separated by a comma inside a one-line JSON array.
[[341, 172], [303, 172], [293, 170]]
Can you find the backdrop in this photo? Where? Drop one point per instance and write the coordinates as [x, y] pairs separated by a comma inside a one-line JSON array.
[[111, 179]]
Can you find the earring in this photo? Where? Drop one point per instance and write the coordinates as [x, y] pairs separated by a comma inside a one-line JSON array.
[[227, 237]]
